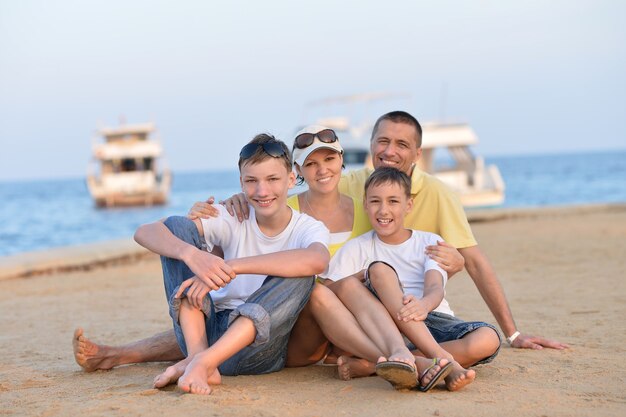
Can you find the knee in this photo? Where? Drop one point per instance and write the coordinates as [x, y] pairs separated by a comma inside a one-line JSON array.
[[345, 286], [380, 272], [487, 342], [321, 298]]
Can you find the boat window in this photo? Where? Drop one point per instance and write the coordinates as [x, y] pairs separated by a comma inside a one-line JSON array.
[[147, 164], [128, 165]]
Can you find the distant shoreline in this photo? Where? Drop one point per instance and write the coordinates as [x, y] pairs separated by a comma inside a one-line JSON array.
[[124, 251]]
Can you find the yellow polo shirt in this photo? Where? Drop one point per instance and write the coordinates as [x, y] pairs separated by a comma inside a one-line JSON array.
[[436, 208], [360, 224]]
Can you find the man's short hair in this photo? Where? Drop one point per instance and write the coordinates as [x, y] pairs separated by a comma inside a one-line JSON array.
[[260, 154], [388, 175], [400, 116]]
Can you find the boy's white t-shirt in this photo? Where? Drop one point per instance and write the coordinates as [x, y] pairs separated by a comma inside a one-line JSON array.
[[408, 259], [239, 240]]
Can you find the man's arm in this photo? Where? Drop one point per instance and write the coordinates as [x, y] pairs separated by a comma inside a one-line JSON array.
[[293, 263], [491, 290], [212, 270]]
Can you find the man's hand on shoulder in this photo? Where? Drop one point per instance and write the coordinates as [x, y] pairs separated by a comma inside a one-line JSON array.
[[210, 269], [526, 341], [447, 257], [237, 205]]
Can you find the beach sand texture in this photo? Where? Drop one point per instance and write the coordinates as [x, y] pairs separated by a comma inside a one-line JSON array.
[[562, 271]]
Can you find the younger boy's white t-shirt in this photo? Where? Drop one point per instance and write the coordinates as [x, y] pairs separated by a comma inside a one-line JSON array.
[[409, 259], [239, 240]]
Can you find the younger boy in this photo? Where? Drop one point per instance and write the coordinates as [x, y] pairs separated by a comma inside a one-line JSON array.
[[397, 271], [243, 325]]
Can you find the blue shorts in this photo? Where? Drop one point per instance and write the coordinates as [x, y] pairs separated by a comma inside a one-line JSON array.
[[443, 327]]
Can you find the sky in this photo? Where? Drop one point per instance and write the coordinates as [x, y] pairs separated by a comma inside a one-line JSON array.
[[530, 77]]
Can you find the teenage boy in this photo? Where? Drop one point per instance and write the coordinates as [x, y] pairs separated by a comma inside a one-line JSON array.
[[233, 316], [400, 274]]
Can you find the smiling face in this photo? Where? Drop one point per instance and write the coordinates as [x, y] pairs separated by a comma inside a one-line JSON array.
[[386, 205], [395, 145], [265, 185], [322, 170]]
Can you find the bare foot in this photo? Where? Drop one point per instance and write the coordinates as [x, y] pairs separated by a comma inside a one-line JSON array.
[[459, 377], [348, 368], [195, 380], [174, 372], [171, 374], [90, 356]]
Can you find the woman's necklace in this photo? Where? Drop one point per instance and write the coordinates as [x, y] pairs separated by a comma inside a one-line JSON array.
[[308, 203], [306, 198]]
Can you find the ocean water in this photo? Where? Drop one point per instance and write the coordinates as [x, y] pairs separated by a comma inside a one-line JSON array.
[[37, 215]]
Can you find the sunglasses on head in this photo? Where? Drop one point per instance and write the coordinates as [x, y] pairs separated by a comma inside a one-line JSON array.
[[304, 140], [271, 148]]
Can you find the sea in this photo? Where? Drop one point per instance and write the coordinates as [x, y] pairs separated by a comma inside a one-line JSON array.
[[42, 214]]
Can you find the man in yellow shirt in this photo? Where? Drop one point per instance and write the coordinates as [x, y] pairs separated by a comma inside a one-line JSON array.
[[396, 142]]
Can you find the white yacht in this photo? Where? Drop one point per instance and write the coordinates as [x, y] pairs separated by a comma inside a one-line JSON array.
[[125, 167]]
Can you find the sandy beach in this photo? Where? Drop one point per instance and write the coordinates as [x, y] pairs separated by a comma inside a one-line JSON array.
[[562, 272]]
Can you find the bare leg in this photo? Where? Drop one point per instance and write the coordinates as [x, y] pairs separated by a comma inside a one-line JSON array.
[[91, 356], [341, 327], [192, 324], [326, 316], [307, 342], [374, 319], [240, 334], [385, 281]]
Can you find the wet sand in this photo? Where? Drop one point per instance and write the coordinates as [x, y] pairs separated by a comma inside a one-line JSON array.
[[562, 270]]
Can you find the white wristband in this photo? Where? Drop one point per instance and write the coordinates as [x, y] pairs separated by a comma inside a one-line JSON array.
[[511, 338]]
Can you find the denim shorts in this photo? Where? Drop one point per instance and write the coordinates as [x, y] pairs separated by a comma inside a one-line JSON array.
[[443, 327]]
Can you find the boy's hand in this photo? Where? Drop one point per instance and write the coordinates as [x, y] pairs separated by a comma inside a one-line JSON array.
[[197, 291], [203, 209], [413, 309], [447, 257], [238, 205], [213, 271]]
